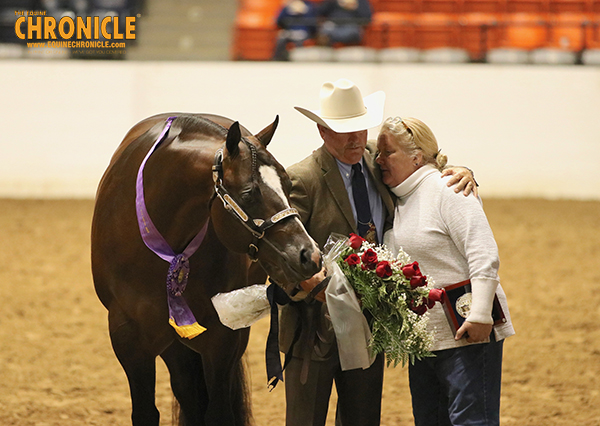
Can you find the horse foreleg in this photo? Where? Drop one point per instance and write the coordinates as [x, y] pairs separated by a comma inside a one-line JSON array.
[[229, 399], [139, 366], [187, 382]]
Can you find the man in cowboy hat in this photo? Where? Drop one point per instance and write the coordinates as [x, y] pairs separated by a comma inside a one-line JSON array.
[[326, 193]]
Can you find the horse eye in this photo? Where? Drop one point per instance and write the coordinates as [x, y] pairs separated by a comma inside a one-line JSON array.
[[250, 194], [246, 196]]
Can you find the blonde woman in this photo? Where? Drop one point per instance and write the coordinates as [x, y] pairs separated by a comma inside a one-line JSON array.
[[449, 235]]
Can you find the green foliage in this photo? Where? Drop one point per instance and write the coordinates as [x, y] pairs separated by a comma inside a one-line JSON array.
[[396, 330]]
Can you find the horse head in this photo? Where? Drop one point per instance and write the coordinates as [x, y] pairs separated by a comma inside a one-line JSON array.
[[255, 215]]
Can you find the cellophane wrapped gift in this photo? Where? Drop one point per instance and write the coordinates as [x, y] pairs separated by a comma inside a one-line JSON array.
[[243, 307]]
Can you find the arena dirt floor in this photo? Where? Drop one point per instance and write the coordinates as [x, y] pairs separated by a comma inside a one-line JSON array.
[[57, 367]]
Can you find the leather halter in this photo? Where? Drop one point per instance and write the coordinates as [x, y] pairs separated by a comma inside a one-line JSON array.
[[257, 227]]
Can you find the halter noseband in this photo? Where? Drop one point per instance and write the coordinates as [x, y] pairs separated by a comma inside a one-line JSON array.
[[257, 227]]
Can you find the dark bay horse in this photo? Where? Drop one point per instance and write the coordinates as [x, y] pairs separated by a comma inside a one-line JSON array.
[[206, 173]]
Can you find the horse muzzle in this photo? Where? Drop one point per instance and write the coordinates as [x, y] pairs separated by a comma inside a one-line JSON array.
[[297, 263]]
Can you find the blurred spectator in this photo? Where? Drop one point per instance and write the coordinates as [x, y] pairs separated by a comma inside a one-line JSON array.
[[342, 21], [297, 20]]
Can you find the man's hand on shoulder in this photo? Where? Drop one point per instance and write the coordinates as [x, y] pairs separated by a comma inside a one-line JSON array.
[[463, 178]]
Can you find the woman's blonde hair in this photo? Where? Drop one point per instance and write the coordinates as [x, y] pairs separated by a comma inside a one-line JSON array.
[[413, 135]]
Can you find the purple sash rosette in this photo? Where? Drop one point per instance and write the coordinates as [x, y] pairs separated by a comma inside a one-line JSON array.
[[181, 317]]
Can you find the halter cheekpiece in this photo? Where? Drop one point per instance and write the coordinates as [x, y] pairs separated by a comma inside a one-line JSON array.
[[257, 227]]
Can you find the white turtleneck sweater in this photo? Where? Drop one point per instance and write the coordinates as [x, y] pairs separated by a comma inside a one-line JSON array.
[[450, 237]]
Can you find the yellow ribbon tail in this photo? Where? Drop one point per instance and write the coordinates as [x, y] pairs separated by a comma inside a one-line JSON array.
[[187, 331]]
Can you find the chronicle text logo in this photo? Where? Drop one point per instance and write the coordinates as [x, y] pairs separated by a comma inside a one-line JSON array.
[[35, 25]]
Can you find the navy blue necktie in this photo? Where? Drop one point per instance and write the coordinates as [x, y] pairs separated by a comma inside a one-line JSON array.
[[366, 227]]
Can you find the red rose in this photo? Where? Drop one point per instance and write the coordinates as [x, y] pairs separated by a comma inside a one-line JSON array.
[[419, 310], [436, 294], [383, 269], [411, 270], [352, 260], [418, 281], [369, 259], [356, 241]]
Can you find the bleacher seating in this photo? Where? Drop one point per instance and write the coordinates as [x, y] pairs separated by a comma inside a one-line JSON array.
[[570, 6], [566, 38], [312, 54], [255, 30], [480, 32], [391, 30], [436, 30], [354, 54], [591, 54], [397, 6], [441, 6], [527, 6], [496, 7], [507, 31], [254, 35]]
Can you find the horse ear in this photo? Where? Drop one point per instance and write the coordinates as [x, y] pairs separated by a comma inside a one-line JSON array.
[[266, 134], [234, 137]]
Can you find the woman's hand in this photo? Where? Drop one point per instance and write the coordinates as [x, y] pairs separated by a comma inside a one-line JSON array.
[[474, 331], [463, 179]]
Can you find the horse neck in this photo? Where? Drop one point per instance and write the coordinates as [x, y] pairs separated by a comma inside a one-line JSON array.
[[177, 190]]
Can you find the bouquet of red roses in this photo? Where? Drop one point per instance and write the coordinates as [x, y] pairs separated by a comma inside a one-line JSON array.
[[395, 292]]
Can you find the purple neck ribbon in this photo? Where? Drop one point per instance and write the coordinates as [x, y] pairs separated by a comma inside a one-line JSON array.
[[181, 317]]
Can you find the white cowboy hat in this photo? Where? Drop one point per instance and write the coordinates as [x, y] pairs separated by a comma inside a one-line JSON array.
[[344, 110]]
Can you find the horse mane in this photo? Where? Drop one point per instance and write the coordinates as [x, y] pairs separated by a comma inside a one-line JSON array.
[[192, 124]]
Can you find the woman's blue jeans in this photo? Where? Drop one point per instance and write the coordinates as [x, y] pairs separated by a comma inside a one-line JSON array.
[[458, 387]]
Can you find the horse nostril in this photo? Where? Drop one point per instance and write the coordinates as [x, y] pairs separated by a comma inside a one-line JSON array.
[[305, 256], [308, 263]]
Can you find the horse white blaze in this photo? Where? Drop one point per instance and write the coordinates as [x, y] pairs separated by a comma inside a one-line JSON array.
[[271, 178]]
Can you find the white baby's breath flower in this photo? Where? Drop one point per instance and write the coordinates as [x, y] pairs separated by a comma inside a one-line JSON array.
[[388, 295]]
